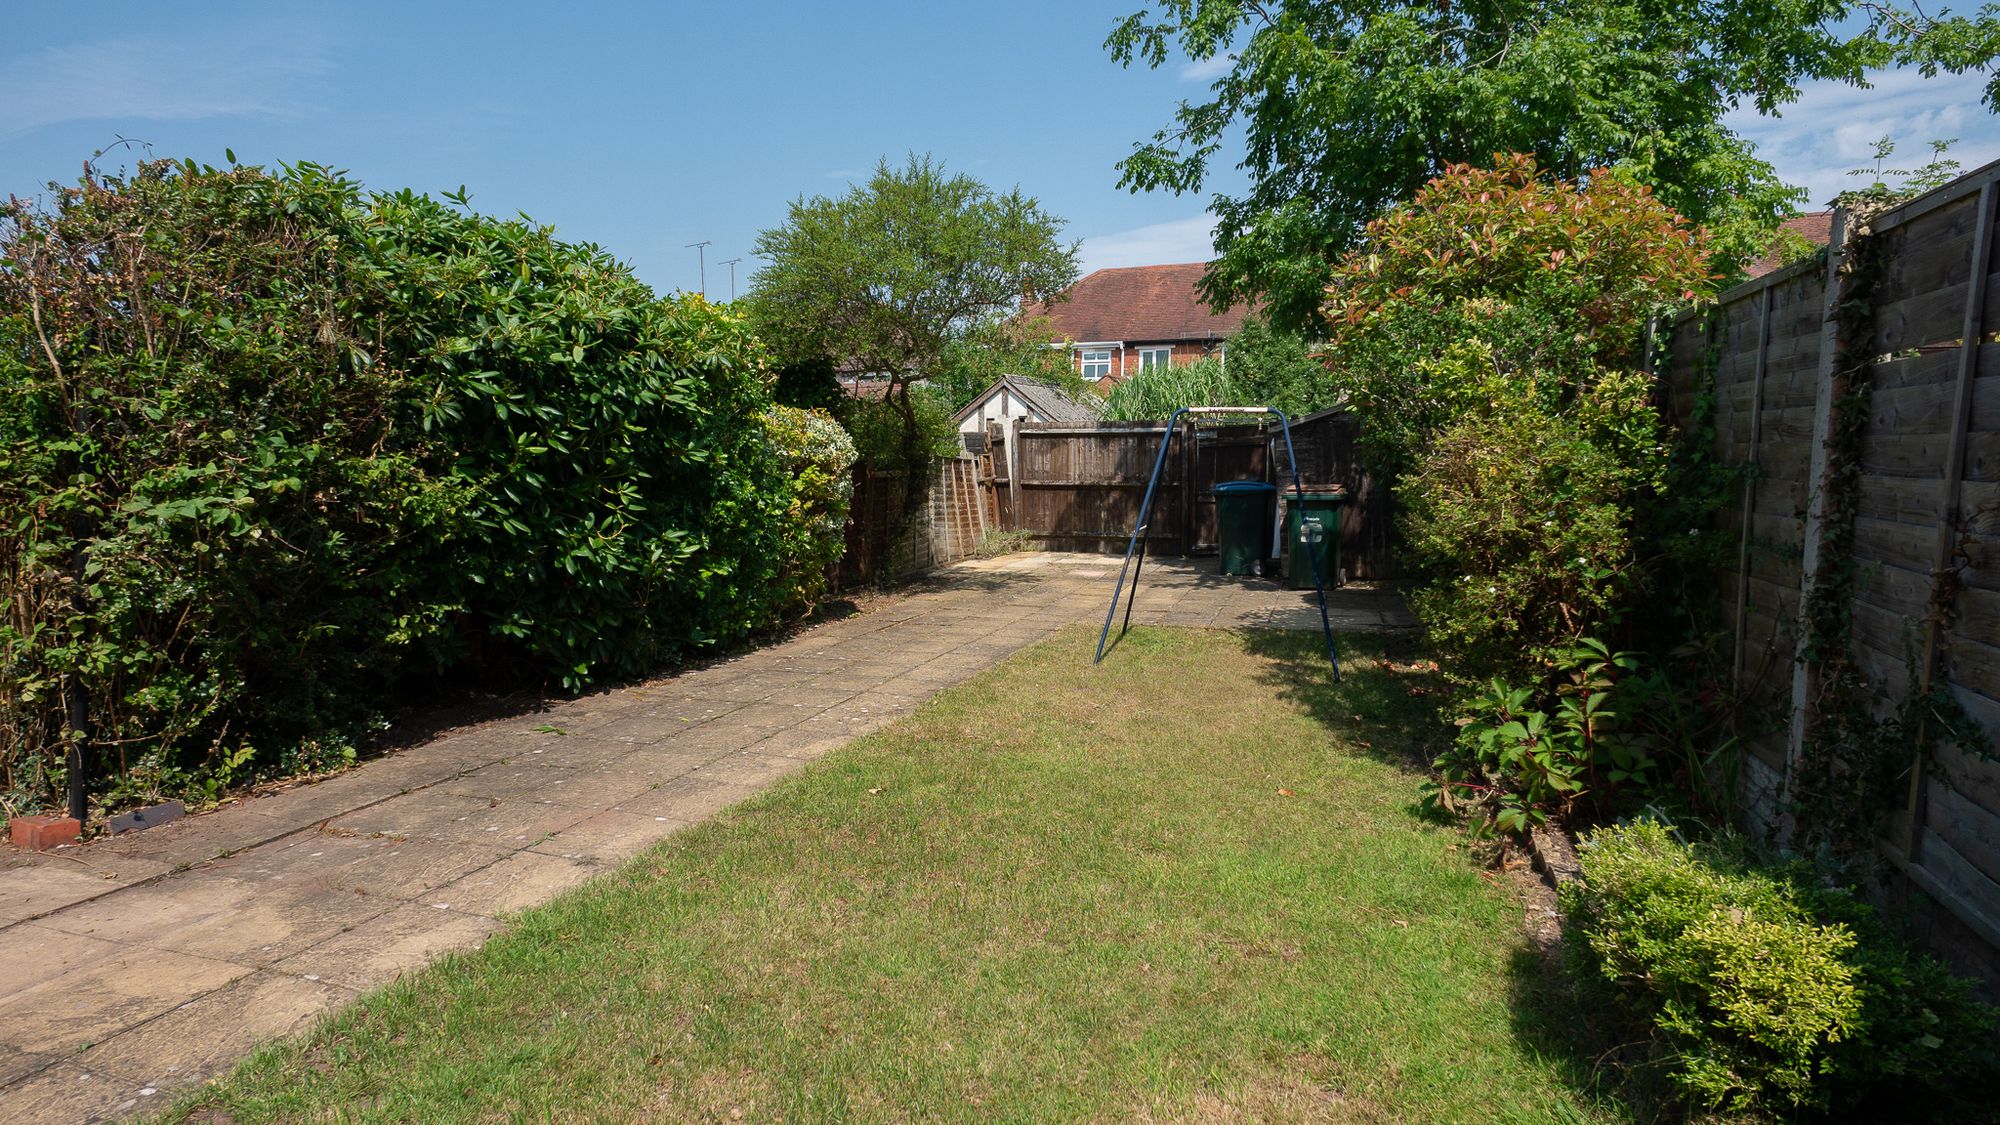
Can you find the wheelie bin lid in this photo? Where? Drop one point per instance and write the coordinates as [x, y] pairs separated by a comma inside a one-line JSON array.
[[1245, 486]]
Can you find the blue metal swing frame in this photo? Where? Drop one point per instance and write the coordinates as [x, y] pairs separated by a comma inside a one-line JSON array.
[[1135, 551]]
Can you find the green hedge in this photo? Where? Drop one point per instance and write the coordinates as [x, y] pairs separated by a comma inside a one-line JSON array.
[[818, 456], [1771, 992], [273, 449]]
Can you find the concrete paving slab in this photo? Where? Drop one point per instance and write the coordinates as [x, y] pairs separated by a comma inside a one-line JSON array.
[[747, 767], [30, 890], [610, 837], [196, 839], [521, 880], [17, 1065], [99, 998], [687, 799], [385, 947], [204, 1037], [72, 1093], [31, 955], [378, 866], [433, 815]]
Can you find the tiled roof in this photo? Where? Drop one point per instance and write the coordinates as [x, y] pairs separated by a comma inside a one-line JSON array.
[[1042, 396], [1139, 304], [1816, 226]]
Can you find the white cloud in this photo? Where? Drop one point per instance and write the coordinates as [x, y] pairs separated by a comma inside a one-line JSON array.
[[1179, 240], [1208, 69], [1833, 127], [252, 69]]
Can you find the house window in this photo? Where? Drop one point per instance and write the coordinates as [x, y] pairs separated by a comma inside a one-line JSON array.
[[1096, 362], [1155, 357]]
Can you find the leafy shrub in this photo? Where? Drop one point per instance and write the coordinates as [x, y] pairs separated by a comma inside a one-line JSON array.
[[877, 427], [1522, 764], [1764, 1005], [818, 456], [1521, 514], [1499, 272], [1488, 333], [270, 447], [1155, 393], [1267, 367]]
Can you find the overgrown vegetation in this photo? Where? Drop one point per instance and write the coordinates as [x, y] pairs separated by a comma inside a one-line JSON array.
[[1258, 366], [1489, 332], [816, 452], [1155, 393], [273, 448], [975, 359], [1770, 993]]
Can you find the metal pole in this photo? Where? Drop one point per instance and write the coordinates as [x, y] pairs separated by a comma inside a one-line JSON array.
[[731, 263], [1319, 584], [701, 262], [1145, 508]]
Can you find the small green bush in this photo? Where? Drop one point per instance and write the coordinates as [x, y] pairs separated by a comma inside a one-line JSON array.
[[1520, 513], [1771, 994], [818, 455]]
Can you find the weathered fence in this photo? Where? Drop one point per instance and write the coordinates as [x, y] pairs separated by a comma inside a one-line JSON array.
[[1864, 393], [1079, 488], [947, 526]]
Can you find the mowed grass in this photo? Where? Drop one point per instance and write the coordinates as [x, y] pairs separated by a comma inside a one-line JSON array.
[[1189, 884]]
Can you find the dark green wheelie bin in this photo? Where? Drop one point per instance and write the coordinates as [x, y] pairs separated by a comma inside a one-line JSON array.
[[1243, 524], [1313, 529]]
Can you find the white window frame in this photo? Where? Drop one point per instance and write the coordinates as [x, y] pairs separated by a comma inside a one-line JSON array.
[[1088, 358], [1156, 357]]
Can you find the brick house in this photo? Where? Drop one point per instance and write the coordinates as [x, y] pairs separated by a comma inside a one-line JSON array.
[[1118, 322], [1816, 227]]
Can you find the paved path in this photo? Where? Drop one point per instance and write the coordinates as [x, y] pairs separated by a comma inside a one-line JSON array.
[[133, 967]]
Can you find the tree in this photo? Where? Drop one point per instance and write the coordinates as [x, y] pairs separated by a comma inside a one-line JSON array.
[[885, 278], [1005, 346], [1499, 274], [1272, 368], [1346, 108]]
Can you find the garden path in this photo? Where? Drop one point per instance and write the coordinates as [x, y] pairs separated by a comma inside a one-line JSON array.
[[135, 966]]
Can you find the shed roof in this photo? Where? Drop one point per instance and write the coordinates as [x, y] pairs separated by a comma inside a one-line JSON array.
[[1043, 396]]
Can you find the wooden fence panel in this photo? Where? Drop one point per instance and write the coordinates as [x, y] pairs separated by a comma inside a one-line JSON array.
[[1080, 487], [1925, 564]]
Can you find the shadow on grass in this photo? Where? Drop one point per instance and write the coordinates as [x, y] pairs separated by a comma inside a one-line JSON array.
[[1387, 704], [1391, 704], [1605, 1061]]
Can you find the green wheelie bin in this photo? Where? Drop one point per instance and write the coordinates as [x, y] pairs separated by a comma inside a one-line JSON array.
[[1313, 529], [1243, 524]]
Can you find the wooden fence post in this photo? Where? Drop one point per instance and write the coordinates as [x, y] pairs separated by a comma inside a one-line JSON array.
[[1827, 389], [1014, 469]]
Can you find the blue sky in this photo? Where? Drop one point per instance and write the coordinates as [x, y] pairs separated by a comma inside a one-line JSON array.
[[645, 127]]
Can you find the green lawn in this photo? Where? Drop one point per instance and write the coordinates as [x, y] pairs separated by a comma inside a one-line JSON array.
[[1190, 884]]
